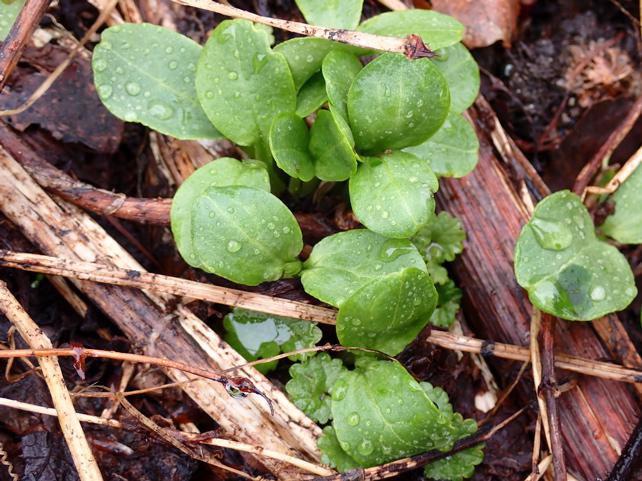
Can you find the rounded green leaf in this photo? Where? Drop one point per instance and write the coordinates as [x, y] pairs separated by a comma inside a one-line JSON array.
[[241, 84], [387, 313], [244, 234], [339, 70], [343, 263], [453, 151], [567, 271], [436, 29], [9, 11], [393, 194], [461, 72], [331, 145], [331, 13], [395, 103], [145, 73], [221, 172], [289, 140], [625, 224], [312, 96], [304, 56]]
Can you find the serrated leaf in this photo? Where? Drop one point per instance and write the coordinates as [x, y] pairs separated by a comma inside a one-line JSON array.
[[436, 29], [244, 234], [311, 383], [441, 240], [445, 313], [387, 313], [392, 195], [566, 270], [453, 151], [339, 70], [395, 103], [333, 455], [331, 145], [461, 72], [625, 224], [331, 13], [342, 263], [311, 96], [241, 83], [304, 56], [221, 172], [8, 14], [145, 73], [289, 139], [255, 335]]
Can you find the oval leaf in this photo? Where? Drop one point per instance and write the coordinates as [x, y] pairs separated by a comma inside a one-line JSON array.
[[244, 234], [387, 313], [331, 145], [312, 96], [331, 13], [454, 149], [145, 73], [8, 14], [342, 263], [339, 70], [289, 140], [304, 56], [436, 29], [625, 224], [241, 84], [395, 103], [461, 72], [567, 271], [393, 195]]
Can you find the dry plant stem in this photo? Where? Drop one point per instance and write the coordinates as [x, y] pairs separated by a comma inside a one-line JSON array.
[[411, 46], [70, 425], [540, 469], [24, 26], [394, 4], [549, 386], [623, 469], [40, 91], [591, 169], [536, 366], [624, 173]]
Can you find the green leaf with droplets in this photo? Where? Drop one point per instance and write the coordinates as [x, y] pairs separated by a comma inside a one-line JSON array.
[[342, 263], [395, 103], [625, 224], [387, 313], [453, 151], [289, 139], [332, 147], [221, 172], [392, 195], [331, 453], [304, 56], [310, 385], [441, 240], [339, 70], [567, 271], [447, 308], [241, 83], [145, 73], [436, 29], [312, 96], [255, 335], [244, 234], [461, 72], [331, 13], [8, 14]]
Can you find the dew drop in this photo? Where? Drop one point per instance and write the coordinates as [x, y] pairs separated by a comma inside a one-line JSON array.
[[598, 293], [232, 75], [173, 65], [105, 91], [354, 419], [233, 246], [100, 65], [209, 94], [551, 235], [339, 391], [133, 88], [169, 49], [160, 110], [366, 447]]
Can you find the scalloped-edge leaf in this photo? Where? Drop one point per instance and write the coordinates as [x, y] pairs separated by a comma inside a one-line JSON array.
[[441, 240]]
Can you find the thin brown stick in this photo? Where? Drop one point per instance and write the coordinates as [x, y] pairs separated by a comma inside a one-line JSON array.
[[590, 170], [536, 366], [23, 28], [549, 386], [70, 425], [618, 179]]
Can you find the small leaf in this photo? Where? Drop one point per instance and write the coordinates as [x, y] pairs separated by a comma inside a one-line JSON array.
[[461, 72], [304, 56], [289, 138], [393, 195], [453, 150], [256, 335], [145, 73], [387, 313], [331, 13], [625, 224], [221, 172], [441, 240], [342, 263], [245, 235], [310, 385], [449, 298], [8, 14], [312, 96], [436, 29], [333, 455], [339, 70], [331, 145], [567, 271], [395, 103], [241, 84]]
